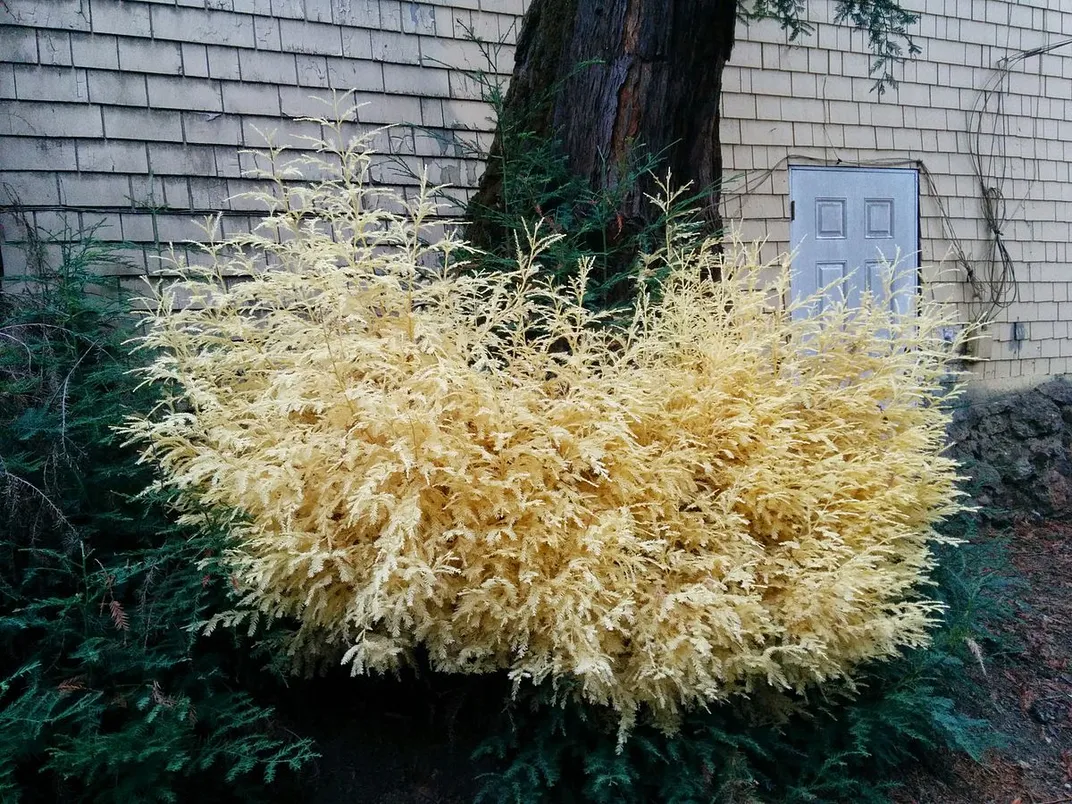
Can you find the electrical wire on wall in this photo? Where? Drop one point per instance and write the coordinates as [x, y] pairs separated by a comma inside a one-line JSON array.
[[752, 183], [991, 278]]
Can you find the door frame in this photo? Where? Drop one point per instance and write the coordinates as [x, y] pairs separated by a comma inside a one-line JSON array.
[[917, 272]]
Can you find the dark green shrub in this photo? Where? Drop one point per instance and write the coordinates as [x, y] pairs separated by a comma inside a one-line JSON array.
[[105, 693]]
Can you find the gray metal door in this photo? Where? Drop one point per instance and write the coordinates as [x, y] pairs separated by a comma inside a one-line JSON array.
[[851, 223]]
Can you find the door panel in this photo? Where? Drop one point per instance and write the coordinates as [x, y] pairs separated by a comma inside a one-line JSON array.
[[847, 224]]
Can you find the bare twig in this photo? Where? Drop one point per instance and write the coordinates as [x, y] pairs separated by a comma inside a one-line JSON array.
[[10, 478]]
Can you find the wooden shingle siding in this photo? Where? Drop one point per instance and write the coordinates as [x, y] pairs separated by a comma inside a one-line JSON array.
[[814, 104], [132, 114]]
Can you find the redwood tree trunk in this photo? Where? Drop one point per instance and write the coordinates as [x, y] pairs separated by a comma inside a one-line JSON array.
[[630, 74]]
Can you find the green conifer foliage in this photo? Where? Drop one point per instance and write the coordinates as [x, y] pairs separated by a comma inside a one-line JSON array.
[[105, 693]]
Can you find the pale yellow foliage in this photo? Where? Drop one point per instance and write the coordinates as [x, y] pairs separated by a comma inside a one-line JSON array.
[[715, 496]]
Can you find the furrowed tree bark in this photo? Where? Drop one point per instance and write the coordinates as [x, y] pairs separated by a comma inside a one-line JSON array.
[[607, 77]]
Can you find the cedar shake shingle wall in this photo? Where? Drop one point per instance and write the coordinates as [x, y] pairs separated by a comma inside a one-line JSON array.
[[815, 105], [131, 115]]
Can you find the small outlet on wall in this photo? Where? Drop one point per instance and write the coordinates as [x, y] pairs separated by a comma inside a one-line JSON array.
[[1019, 331]]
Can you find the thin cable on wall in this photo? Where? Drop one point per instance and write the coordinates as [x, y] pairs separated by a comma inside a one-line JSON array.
[[993, 278], [752, 183]]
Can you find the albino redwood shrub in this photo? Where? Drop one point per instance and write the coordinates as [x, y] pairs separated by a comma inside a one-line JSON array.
[[715, 496]]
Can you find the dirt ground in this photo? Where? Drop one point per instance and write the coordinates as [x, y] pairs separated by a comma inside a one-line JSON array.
[[1026, 695]]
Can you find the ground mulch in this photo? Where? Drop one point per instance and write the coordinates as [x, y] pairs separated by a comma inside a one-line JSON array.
[[1026, 694]]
